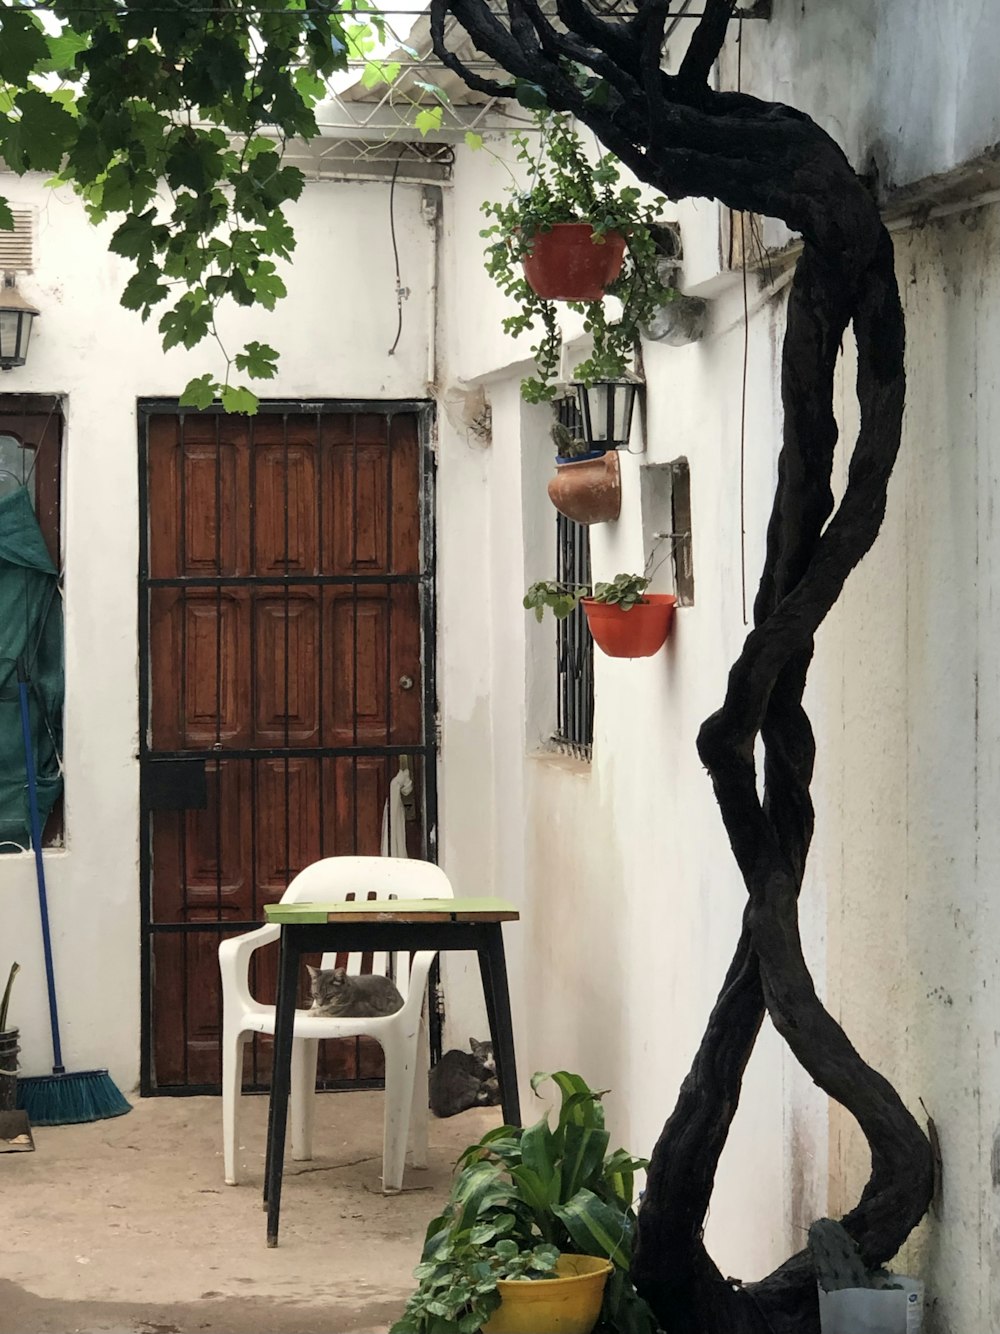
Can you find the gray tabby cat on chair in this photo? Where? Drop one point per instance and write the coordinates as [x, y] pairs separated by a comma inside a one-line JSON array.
[[337, 994], [461, 1080]]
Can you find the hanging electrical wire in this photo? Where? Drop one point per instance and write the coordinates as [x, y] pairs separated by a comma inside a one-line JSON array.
[[401, 291]]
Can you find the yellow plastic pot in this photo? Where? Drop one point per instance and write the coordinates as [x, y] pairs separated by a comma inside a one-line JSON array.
[[567, 1304]]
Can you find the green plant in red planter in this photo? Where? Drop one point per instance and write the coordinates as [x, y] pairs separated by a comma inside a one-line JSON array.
[[625, 620], [604, 241]]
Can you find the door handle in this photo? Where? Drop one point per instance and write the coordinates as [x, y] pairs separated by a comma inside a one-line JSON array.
[[406, 683]]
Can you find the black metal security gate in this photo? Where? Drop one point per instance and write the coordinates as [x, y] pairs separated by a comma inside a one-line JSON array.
[[287, 629]]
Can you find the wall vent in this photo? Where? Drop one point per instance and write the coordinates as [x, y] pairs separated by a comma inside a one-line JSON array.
[[17, 248]]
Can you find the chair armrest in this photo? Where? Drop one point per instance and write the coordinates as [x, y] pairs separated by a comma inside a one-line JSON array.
[[420, 967], [234, 962]]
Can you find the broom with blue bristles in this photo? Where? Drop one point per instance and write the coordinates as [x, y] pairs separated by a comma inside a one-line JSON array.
[[62, 1098]]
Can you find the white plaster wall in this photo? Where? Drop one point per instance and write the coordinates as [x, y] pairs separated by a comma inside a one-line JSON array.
[[910, 84], [333, 331], [906, 702], [629, 898], [630, 901]]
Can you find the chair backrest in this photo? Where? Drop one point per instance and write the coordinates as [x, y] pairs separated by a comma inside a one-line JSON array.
[[368, 877], [364, 878]]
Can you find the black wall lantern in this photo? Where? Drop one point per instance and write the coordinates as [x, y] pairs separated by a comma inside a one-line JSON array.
[[16, 319], [606, 409]]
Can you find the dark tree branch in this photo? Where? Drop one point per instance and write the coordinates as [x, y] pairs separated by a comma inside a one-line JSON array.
[[654, 16], [706, 42], [559, 45], [605, 35], [479, 83]]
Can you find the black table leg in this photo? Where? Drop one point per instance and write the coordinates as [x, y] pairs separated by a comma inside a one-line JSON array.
[[284, 1029], [493, 969]]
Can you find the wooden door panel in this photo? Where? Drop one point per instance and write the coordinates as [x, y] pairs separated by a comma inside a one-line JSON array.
[[210, 535], [404, 460], [205, 696], [287, 667], [359, 490], [201, 858], [352, 824], [380, 538], [287, 824], [270, 652], [285, 509], [193, 467], [371, 666]]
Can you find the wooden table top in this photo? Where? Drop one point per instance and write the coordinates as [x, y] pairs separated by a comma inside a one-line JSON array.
[[392, 910]]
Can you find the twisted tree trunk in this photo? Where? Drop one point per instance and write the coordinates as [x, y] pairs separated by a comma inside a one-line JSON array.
[[684, 139]]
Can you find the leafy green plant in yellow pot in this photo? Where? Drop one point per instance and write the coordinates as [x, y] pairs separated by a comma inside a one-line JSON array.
[[525, 1205]]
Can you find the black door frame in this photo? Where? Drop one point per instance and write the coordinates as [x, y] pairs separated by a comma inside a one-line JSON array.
[[423, 410]]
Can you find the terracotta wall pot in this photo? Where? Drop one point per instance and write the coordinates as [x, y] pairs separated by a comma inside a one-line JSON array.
[[637, 633], [567, 264], [588, 490]]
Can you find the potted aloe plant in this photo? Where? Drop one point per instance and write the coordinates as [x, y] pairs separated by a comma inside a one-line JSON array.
[[625, 620], [537, 1233], [575, 234]]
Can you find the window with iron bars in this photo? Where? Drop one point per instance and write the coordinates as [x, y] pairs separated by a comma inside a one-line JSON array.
[[574, 732]]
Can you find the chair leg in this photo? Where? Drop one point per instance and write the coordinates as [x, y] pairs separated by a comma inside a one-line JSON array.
[[399, 1078], [418, 1109], [232, 1089], [304, 1055]]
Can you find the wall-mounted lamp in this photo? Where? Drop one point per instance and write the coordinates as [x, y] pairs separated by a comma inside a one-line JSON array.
[[606, 410], [16, 318]]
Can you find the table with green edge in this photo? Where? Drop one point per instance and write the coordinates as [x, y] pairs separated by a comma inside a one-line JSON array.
[[388, 925]]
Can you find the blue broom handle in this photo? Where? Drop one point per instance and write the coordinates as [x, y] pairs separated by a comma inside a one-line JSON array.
[[36, 843]]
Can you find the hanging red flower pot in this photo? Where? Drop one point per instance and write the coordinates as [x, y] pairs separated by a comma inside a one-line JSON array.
[[567, 263], [638, 632]]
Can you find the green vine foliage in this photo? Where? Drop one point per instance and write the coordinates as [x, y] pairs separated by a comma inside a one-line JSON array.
[[624, 591], [171, 119], [457, 1290], [567, 186]]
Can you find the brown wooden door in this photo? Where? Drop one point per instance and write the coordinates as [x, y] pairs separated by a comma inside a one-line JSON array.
[[285, 591]]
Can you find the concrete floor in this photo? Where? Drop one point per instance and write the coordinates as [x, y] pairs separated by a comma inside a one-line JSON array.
[[127, 1226]]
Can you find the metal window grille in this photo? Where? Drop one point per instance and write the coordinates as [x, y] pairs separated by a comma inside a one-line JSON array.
[[574, 645]]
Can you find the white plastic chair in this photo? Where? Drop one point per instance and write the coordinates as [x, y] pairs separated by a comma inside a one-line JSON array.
[[402, 1035]]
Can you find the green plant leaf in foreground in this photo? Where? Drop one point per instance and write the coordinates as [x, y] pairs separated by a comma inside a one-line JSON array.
[[236, 398], [597, 1228], [199, 392]]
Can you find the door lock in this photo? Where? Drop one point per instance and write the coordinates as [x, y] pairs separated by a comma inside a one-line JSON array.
[[406, 683]]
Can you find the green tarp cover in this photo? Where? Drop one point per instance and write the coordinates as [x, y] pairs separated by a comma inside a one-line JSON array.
[[30, 630]]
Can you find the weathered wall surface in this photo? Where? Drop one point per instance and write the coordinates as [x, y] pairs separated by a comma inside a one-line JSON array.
[[630, 899], [907, 84], [905, 698], [333, 332]]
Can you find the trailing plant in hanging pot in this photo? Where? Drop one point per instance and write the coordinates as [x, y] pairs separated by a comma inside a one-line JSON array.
[[625, 620], [575, 224]]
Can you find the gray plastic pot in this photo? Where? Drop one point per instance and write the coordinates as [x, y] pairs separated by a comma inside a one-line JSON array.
[[884, 1310]]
